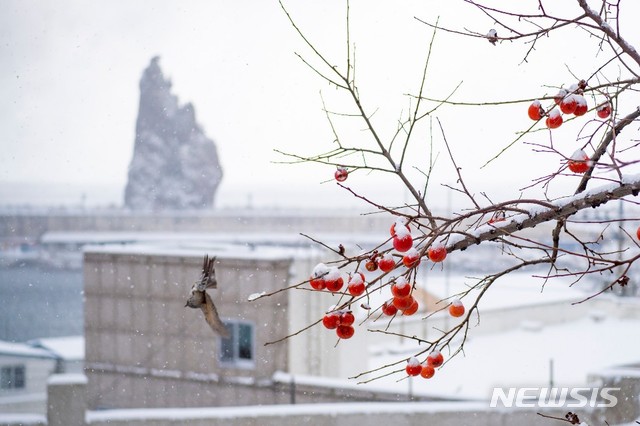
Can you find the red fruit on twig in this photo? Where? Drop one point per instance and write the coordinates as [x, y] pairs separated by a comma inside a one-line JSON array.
[[554, 120], [356, 285], [345, 331], [604, 111], [341, 174], [435, 359], [579, 162], [427, 371], [437, 253], [402, 243], [535, 111], [456, 309], [581, 106], [386, 263], [413, 367]]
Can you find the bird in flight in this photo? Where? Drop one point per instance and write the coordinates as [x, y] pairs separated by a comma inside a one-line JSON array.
[[198, 297]]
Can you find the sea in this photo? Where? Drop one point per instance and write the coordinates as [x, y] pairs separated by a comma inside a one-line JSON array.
[[38, 300]]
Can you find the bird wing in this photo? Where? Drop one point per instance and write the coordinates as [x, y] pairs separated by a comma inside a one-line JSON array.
[[208, 275], [212, 317]]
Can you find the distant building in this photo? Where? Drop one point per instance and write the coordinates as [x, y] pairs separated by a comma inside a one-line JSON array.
[[25, 368]]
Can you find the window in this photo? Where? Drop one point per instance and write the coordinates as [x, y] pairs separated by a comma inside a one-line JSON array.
[[238, 349], [12, 377]]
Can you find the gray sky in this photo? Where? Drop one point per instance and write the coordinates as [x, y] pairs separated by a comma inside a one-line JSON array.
[[70, 73]]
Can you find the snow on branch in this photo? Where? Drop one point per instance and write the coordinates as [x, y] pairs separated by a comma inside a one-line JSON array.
[[562, 208]]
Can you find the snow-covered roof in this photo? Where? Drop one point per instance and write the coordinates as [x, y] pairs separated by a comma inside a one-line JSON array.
[[222, 251], [23, 419], [278, 410], [260, 238], [70, 348], [22, 350], [67, 379]]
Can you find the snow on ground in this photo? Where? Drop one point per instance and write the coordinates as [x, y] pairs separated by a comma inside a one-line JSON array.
[[517, 290], [522, 357]]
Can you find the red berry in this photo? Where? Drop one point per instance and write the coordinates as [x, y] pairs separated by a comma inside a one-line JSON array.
[[456, 309], [341, 174], [579, 162], [437, 253], [317, 276], [345, 331], [390, 310], [559, 96], [411, 309], [435, 359], [554, 120], [413, 367], [535, 110], [411, 258], [604, 110], [347, 318], [402, 243], [333, 280], [568, 104], [427, 371], [371, 265], [331, 320], [578, 166], [334, 285], [638, 232], [317, 283], [386, 263], [581, 106], [356, 284], [401, 288], [403, 303]]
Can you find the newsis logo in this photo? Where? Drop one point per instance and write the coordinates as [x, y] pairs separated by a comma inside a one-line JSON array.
[[554, 397]]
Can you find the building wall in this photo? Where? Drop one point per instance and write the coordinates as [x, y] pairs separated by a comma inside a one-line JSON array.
[[140, 337], [31, 398], [316, 351]]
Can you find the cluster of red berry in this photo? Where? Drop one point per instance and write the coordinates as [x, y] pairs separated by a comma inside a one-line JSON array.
[[402, 299], [325, 277], [567, 102], [427, 369], [573, 102], [341, 321], [329, 278]]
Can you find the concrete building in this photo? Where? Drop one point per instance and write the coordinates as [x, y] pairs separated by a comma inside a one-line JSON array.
[[23, 376], [145, 349], [26, 367]]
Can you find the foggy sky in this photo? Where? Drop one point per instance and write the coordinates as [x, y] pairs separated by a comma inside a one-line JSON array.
[[70, 73]]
